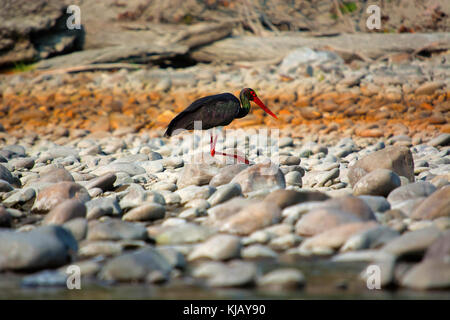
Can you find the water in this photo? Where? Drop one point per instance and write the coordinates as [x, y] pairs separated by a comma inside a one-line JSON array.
[[325, 280]]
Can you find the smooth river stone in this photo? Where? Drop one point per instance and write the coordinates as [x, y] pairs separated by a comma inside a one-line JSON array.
[[43, 247], [49, 197]]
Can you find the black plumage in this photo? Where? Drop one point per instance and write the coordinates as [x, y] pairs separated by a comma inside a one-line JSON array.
[[213, 111]]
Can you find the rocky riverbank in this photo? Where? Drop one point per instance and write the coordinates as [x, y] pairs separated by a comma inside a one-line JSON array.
[[356, 171], [127, 207]]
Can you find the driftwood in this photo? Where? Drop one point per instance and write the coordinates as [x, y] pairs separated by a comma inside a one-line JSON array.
[[365, 46], [143, 54], [203, 34]]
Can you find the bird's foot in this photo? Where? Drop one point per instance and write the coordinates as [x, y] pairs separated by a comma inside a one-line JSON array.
[[235, 156], [213, 145]]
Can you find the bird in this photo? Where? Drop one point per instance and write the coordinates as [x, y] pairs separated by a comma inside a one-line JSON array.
[[216, 111]]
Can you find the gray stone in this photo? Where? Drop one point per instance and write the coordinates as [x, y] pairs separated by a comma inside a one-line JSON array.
[[135, 266], [232, 274], [413, 243], [320, 220], [100, 248], [376, 203], [226, 174], [219, 247], [286, 198], [184, 233], [283, 279], [294, 178], [99, 207], [5, 186], [6, 175], [56, 175], [114, 229], [379, 182], [129, 168], [224, 193], [441, 140], [196, 174], [397, 159], [136, 196], [78, 227], [330, 240], [49, 197], [428, 275], [43, 247], [435, 206], [20, 197], [260, 176], [369, 239], [145, 212], [411, 191], [104, 182], [251, 218], [65, 211], [190, 193], [257, 251]]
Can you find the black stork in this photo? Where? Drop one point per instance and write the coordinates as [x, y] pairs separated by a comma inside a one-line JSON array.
[[216, 111]]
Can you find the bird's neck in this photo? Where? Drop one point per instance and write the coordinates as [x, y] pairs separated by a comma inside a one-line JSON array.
[[245, 106]]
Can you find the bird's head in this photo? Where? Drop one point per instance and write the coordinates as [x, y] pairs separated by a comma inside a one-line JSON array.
[[250, 95]]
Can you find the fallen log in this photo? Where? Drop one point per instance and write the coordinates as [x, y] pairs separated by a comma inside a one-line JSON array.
[[367, 46]]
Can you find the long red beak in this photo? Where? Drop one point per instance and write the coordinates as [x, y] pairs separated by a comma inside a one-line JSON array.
[[262, 106]]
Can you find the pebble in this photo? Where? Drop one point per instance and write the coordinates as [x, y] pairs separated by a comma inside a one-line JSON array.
[[183, 233], [282, 279], [40, 248], [396, 159], [332, 239], [370, 239], [294, 178], [78, 227], [219, 247], [6, 175], [286, 198], [196, 174], [320, 220], [129, 168], [146, 212], [435, 206], [412, 243], [100, 207], [379, 182], [232, 274], [115, 229], [100, 248], [376, 203], [258, 251], [224, 193], [260, 176], [135, 266], [65, 211], [104, 182], [251, 218], [49, 197]]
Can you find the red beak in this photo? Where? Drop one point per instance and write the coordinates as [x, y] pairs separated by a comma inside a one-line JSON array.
[[262, 106]]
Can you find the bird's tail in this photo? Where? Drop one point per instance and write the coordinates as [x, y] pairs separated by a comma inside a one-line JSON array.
[[168, 132]]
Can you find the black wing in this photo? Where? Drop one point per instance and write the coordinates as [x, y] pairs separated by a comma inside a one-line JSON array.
[[215, 110]]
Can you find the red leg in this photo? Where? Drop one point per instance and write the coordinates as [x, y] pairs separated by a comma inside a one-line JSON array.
[[213, 145], [239, 158], [235, 156]]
